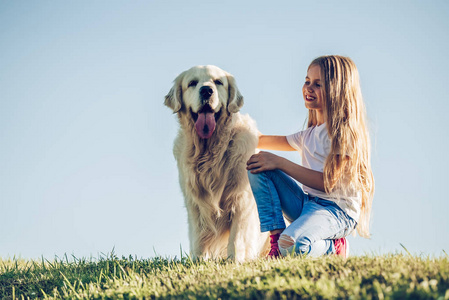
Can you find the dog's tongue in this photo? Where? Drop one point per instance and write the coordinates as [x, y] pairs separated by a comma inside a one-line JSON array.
[[205, 125]]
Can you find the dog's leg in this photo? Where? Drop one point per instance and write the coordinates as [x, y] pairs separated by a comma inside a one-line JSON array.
[[245, 240], [236, 250], [196, 250], [203, 241]]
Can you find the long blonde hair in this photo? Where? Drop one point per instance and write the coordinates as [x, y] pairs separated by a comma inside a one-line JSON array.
[[349, 160]]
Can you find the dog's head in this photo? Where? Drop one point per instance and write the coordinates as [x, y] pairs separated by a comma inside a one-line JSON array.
[[204, 93]]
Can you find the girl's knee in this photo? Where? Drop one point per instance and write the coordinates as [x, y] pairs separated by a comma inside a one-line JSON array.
[[250, 175], [255, 179], [252, 178]]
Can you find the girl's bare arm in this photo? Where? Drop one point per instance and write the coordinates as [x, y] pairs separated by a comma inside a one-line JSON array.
[[274, 142]]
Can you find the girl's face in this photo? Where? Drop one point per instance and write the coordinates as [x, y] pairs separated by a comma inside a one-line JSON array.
[[311, 90]]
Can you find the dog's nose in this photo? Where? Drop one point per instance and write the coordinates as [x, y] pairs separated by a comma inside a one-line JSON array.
[[206, 92]]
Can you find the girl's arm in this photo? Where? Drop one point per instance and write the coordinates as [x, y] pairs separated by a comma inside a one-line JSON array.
[[274, 142], [265, 161]]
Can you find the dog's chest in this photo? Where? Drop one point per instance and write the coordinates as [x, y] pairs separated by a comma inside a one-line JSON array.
[[212, 176]]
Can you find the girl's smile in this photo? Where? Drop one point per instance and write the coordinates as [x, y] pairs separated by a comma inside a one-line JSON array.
[[310, 98]]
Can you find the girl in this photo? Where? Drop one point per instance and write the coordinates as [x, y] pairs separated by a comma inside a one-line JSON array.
[[338, 184]]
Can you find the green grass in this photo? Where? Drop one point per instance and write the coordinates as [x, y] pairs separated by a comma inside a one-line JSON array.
[[393, 276]]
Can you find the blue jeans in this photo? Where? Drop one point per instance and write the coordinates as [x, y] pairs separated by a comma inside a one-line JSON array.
[[315, 222]]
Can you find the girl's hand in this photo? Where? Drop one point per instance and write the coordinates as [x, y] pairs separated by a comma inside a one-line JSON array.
[[263, 161]]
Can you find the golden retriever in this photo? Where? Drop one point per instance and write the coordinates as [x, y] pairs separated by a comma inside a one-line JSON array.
[[212, 147]]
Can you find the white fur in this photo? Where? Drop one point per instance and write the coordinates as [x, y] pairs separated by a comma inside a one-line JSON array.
[[222, 214]]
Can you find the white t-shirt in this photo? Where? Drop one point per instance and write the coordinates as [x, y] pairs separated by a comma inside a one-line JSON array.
[[314, 145]]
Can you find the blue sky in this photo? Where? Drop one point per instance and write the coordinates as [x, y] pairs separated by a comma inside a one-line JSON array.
[[86, 160]]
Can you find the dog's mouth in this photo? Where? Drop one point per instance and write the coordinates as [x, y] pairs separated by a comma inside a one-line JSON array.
[[205, 121]]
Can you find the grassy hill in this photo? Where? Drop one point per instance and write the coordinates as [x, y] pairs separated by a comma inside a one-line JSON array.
[[393, 276]]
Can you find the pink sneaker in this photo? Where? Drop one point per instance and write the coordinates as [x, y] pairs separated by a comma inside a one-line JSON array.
[[274, 251], [341, 247]]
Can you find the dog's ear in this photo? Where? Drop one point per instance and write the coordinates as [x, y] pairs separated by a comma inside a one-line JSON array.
[[235, 101], [174, 97]]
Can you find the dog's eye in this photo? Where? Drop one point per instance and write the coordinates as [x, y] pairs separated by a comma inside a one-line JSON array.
[[193, 83], [218, 82]]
